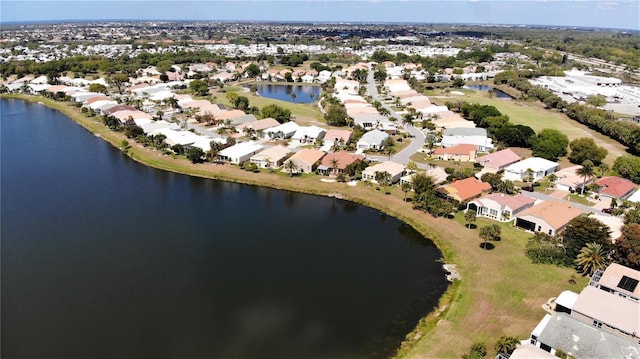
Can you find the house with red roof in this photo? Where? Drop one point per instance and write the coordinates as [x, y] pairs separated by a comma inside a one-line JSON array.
[[499, 206], [615, 187], [464, 190], [335, 163], [463, 152]]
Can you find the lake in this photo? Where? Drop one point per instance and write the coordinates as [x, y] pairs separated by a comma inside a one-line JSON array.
[[103, 257], [499, 93], [303, 93]]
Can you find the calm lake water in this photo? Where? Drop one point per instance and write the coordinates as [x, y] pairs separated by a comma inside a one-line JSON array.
[[105, 258], [499, 93], [283, 92]]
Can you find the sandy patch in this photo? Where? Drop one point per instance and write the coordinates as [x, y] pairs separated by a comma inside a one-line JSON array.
[[458, 93], [352, 183], [328, 180]]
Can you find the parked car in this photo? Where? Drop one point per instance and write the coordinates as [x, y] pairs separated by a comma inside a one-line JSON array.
[[608, 210], [528, 189]]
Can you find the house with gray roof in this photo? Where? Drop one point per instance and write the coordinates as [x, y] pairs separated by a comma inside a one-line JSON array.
[[471, 135], [372, 140]]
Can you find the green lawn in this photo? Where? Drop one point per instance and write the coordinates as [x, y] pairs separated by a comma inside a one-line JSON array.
[[534, 115]]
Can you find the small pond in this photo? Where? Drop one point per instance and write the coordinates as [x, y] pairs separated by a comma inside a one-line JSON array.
[[290, 93], [499, 93]]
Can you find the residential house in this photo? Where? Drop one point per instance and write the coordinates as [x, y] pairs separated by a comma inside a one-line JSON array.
[[396, 170], [335, 137], [372, 140], [306, 160], [272, 157], [258, 126], [569, 180], [240, 152], [533, 168], [464, 190], [473, 135], [334, 163], [438, 174], [285, 130], [615, 187], [463, 152], [548, 217], [499, 206], [308, 134], [600, 322], [498, 160]]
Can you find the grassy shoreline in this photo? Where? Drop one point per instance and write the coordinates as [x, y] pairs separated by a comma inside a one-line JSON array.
[[494, 296]]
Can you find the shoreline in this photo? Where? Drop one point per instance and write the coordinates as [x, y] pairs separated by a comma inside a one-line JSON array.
[[423, 223]]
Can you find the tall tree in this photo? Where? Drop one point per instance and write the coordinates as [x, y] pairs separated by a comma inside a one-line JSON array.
[[490, 233], [591, 258], [276, 112], [627, 247], [628, 167], [291, 167], [384, 179], [586, 171], [405, 187], [585, 148], [119, 80], [550, 144], [470, 217], [582, 230], [506, 344]]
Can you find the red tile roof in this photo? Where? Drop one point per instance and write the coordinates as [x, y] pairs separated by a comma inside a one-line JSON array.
[[461, 149], [465, 189], [615, 186], [344, 159]]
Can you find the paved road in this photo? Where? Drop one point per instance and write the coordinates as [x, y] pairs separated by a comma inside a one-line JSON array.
[[417, 139]]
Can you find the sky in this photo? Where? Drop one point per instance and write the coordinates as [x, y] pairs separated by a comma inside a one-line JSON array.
[[622, 14]]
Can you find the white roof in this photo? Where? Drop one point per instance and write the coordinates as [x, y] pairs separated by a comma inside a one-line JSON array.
[[240, 149], [635, 197], [567, 299], [152, 128], [535, 163], [287, 127], [374, 137], [308, 132]]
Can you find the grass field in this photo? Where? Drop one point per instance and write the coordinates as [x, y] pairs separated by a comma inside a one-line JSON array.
[[534, 115], [501, 291]]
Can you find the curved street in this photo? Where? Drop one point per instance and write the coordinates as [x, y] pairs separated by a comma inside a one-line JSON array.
[[417, 137]]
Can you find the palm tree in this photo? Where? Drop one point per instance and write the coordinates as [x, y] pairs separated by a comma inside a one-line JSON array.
[[390, 150], [586, 171], [591, 258], [334, 166], [291, 167], [405, 187], [604, 168], [383, 178]]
